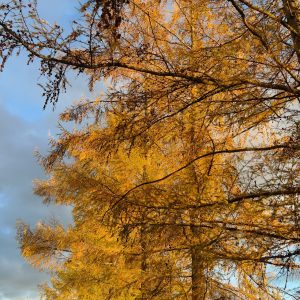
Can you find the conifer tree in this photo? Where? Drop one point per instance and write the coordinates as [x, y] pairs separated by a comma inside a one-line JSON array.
[[211, 90]]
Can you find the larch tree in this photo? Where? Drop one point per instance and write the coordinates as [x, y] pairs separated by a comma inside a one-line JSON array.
[[171, 250], [194, 150]]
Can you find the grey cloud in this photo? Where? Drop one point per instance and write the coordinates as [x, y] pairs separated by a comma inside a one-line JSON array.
[[18, 168], [24, 126], [18, 138]]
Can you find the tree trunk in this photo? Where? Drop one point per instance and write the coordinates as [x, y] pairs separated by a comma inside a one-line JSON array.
[[143, 264], [199, 287]]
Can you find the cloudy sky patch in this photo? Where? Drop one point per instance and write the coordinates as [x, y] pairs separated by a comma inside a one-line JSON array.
[[24, 127]]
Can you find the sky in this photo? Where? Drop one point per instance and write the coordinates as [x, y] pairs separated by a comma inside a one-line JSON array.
[[24, 128]]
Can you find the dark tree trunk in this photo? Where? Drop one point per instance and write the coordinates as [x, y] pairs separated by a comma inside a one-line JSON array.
[[143, 264], [199, 287]]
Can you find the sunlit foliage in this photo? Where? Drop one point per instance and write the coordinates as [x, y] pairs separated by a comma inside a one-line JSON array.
[[184, 176]]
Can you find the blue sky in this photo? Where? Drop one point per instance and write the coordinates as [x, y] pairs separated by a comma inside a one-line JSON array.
[[24, 127]]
